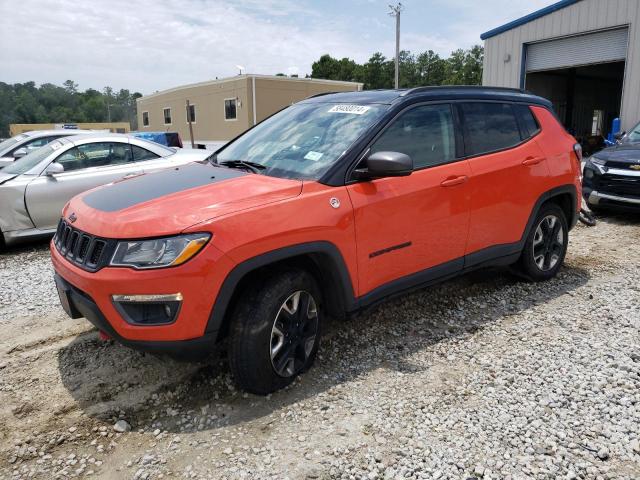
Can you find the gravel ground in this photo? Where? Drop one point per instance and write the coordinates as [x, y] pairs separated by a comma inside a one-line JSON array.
[[485, 376]]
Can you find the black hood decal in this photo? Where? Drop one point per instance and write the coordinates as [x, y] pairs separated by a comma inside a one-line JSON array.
[[148, 187]]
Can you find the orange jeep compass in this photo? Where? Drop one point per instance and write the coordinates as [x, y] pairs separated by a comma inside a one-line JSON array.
[[324, 208]]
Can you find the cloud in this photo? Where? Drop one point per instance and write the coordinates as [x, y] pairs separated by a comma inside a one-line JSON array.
[[149, 45]]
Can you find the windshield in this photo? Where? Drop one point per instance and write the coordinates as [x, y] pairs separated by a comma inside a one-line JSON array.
[[304, 140], [30, 160], [634, 135], [9, 142]]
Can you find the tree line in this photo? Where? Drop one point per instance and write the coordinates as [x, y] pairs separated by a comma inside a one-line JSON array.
[[462, 67], [48, 103]]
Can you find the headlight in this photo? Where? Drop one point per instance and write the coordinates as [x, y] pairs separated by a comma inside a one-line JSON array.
[[598, 161], [158, 252]]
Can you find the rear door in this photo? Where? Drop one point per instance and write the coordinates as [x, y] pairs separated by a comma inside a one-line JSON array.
[[406, 225], [508, 173], [85, 166]]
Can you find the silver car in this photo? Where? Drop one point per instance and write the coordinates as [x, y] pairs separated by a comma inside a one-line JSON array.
[[17, 147], [34, 189]]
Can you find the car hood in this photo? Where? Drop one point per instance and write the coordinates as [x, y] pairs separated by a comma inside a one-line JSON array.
[[625, 153], [167, 202], [5, 177]]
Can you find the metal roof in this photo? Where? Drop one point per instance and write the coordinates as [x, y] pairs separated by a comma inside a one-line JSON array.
[[528, 18]]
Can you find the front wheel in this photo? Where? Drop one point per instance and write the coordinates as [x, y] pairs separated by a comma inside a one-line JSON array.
[[546, 244], [275, 332]]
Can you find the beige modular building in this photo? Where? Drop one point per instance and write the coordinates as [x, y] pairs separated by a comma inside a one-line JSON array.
[[583, 55], [222, 109]]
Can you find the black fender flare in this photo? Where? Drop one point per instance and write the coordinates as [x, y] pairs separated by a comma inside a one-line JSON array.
[[327, 250]]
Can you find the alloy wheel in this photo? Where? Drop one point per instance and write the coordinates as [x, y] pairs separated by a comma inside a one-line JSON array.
[[294, 333], [548, 243]]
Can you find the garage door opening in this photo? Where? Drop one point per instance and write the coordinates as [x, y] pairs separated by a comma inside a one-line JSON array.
[[586, 99]]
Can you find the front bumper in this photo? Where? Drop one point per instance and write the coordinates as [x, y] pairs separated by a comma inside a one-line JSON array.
[[198, 281], [600, 199], [79, 304], [611, 187]]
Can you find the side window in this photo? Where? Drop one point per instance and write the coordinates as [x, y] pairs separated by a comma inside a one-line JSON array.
[[424, 133], [230, 109], [140, 154], [95, 155], [489, 127], [528, 124], [39, 142]]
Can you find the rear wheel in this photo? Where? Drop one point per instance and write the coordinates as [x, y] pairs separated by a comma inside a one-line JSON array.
[[546, 244], [275, 332]]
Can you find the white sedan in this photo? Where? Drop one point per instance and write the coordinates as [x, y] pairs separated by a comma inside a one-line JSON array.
[[35, 188]]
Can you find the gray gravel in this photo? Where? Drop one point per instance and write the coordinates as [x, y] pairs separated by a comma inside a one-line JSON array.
[[483, 377]]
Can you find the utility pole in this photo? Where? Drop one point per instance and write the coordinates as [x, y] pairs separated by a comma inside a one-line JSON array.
[[395, 12]]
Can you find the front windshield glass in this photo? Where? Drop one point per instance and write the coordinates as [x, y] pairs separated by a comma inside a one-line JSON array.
[[9, 142], [634, 135], [304, 140], [30, 160]]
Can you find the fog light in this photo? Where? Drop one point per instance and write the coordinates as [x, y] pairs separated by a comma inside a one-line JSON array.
[[588, 173], [148, 309]]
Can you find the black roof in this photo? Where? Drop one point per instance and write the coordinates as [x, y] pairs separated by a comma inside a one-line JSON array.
[[389, 97]]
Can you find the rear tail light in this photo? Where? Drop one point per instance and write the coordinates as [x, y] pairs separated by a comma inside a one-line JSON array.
[[577, 148]]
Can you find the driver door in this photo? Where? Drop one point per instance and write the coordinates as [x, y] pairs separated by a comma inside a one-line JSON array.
[[413, 229], [85, 166]]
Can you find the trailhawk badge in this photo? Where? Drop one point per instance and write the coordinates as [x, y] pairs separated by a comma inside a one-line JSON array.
[[73, 217]]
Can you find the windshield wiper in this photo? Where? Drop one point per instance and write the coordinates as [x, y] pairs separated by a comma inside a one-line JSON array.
[[253, 166]]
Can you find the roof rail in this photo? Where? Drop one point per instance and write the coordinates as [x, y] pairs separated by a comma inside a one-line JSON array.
[[415, 90]]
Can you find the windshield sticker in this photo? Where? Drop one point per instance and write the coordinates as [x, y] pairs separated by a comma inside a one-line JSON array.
[[311, 155], [55, 145], [355, 109]]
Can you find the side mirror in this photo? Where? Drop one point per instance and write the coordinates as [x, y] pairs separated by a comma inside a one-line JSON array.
[[19, 153], [385, 164], [619, 135], [53, 169]]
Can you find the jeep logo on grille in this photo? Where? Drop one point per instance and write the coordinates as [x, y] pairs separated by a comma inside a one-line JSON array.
[[72, 217]]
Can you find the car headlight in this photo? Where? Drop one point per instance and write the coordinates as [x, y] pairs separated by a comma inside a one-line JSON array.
[[158, 252], [598, 161]]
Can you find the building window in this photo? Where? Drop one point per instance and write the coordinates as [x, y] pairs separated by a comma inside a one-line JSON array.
[[191, 114], [230, 109], [167, 116], [145, 119]]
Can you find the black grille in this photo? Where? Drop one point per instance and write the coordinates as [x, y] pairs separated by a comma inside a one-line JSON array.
[[84, 250], [618, 185]]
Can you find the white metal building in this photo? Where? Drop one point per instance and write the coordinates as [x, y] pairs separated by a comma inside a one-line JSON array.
[[583, 55]]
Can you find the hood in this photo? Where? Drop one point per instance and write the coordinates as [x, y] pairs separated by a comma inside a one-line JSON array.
[[171, 200], [5, 177], [624, 153]]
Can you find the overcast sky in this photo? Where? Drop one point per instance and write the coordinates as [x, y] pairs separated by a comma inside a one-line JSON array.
[[150, 45]]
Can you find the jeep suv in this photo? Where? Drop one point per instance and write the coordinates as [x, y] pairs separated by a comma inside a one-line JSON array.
[[322, 209]]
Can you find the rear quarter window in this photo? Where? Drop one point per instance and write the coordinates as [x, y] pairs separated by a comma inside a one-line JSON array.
[[528, 124], [489, 127]]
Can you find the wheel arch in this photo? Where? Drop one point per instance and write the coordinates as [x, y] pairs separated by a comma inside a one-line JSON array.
[[322, 259], [565, 196]]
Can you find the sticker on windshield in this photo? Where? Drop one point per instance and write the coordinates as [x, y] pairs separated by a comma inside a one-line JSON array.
[[355, 109], [55, 145], [311, 155]]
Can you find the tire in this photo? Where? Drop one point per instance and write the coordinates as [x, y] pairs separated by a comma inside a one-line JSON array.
[[544, 251], [270, 317]]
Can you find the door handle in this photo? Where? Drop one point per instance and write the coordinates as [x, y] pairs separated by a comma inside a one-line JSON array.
[[529, 161], [133, 174], [453, 181]]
